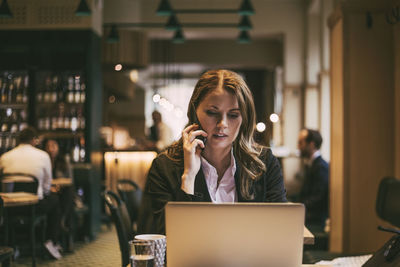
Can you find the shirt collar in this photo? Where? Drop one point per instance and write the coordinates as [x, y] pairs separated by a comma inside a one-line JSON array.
[[313, 157], [208, 168]]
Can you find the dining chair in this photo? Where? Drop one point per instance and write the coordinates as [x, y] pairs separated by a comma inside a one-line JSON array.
[[131, 194], [26, 216], [388, 200], [6, 253], [120, 217]]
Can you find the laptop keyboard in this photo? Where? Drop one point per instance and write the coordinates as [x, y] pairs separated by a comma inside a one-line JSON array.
[[353, 261]]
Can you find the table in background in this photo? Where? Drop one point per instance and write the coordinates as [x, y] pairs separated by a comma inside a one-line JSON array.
[[16, 199], [308, 237], [61, 182]]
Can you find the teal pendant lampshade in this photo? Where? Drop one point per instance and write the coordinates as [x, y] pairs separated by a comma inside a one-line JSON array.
[[246, 8], [244, 37], [172, 23], [5, 11], [83, 9], [245, 24], [113, 36], [178, 37], [164, 9]]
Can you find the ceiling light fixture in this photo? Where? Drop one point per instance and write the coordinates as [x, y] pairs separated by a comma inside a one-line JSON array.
[[244, 37], [5, 11], [246, 8], [113, 36], [83, 9], [178, 37], [164, 9], [172, 23], [245, 24]]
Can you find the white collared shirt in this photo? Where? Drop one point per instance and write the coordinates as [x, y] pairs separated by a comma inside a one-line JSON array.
[[226, 190], [30, 160], [313, 157]]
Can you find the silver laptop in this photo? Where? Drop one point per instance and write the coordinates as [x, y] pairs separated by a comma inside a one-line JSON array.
[[234, 234]]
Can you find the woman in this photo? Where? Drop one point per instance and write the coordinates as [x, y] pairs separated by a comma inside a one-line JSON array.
[[61, 168], [227, 166]]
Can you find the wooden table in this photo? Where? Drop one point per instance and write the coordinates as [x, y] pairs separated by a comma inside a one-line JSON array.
[[15, 199], [308, 237], [315, 265], [18, 199], [61, 182]]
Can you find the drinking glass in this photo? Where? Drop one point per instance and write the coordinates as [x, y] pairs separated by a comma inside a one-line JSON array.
[[142, 253]]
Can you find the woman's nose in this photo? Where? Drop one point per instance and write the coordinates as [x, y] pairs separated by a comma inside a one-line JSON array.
[[223, 122]]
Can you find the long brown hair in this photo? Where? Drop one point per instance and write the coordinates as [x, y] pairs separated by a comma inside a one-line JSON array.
[[245, 149]]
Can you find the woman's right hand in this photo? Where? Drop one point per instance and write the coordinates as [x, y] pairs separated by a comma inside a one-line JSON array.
[[192, 148]]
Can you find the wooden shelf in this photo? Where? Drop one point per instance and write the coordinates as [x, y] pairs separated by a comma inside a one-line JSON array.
[[14, 106], [61, 134]]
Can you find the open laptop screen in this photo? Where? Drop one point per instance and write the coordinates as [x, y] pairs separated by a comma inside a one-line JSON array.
[[234, 234]]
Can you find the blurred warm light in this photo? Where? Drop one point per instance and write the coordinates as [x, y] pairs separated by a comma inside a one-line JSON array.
[[166, 104], [163, 102], [274, 117], [106, 133], [74, 124], [118, 67], [260, 127], [121, 137], [178, 112], [156, 98], [111, 99], [127, 165], [134, 76]]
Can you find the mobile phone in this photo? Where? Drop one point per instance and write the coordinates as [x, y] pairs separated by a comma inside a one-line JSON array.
[[196, 120]]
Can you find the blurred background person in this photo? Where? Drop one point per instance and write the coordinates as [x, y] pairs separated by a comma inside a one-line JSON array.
[[61, 168], [314, 192], [160, 133], [27, 159]]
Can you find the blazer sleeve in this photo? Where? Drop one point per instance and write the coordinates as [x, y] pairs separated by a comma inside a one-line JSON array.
[[275, 190], [163, 185]]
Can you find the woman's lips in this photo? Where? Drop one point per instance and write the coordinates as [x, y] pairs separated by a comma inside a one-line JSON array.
[[220, 135]]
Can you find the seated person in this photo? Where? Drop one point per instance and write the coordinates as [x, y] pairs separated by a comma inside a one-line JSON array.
[[227, 166], [61, 168], [26, 158]]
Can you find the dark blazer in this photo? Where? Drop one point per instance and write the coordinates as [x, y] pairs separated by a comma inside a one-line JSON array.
[[315, 192], [164, 182]]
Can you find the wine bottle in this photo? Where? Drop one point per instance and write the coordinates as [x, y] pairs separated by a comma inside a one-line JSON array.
[[19, 89], [83, 93], [82, 152], [25, 89], [74, 120], [53, 89], [47, 90], [77, 94], [3, 92], [70, 95]]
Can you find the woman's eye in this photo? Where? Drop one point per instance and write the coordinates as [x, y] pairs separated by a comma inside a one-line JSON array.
[[233, 115], [211, 113]]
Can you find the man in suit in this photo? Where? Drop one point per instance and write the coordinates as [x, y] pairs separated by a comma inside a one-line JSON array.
[[315, 190]]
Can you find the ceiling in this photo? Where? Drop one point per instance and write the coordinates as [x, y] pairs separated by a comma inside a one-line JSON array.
[[263, 20]]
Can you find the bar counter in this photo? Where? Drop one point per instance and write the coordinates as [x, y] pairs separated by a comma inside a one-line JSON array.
[[133, 165]]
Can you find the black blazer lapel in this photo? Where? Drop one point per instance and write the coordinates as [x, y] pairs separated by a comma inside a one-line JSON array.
[[237, 183], [200, 187]]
